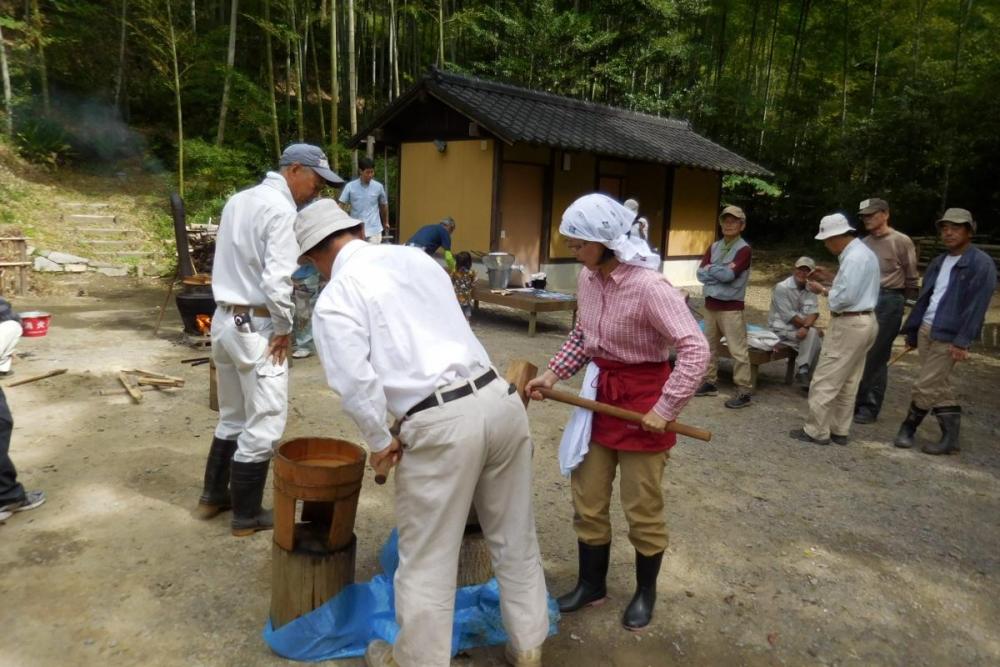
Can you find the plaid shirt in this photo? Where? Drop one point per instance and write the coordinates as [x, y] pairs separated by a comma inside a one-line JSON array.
[[635, 316]]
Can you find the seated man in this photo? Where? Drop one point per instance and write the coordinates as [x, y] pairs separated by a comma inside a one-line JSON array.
[[431, 237], [794, 311]]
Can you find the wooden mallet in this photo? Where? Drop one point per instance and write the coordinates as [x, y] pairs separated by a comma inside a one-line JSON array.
[[520, 372]]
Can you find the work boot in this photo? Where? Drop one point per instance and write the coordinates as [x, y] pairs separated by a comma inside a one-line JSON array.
[[247, 489], [707, 389], [908, 429], [740, 400], [590, 586], [640, 610], [215, 494], [950, 419]]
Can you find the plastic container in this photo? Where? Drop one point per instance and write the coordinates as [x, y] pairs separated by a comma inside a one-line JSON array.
[[35, 323]]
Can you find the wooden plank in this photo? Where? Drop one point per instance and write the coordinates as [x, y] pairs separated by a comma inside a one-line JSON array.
[[153, 374], [159, 382], [36, 378], [130, 387]]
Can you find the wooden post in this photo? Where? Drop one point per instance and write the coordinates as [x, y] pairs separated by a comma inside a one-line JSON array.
[[213, 387]]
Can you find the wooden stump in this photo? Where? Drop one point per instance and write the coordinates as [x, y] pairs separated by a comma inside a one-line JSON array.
[[308, 576], [213, 387], [474, 563]]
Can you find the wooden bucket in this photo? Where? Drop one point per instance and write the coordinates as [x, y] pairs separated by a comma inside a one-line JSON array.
[[325, 474]]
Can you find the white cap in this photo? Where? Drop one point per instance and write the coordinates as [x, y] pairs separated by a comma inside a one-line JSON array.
[[631, 205], [318, 220], [833, 225]]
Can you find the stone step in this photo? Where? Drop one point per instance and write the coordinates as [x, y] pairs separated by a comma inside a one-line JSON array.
[[87, 218], [123, 253], [85, 204], [106, 242], [106, 230]]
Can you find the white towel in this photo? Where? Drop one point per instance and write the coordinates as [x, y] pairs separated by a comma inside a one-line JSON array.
[[576, 437]]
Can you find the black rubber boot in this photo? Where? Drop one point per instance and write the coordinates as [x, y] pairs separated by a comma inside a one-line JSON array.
[[908, 429], [215, 493], [950, 419], [640, 610], [590, 586], [247, 488]]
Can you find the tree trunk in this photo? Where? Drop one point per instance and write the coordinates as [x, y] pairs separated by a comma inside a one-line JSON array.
[[120, 77], [177, 101], [352, 82], [7, 104], [299, 113], [319, 88], [767, 76], [394, 49], [441, 34], [43, 71], [270, 80], [334, 89], [194, 18], [847, 36], [230, 60], [871, 108]]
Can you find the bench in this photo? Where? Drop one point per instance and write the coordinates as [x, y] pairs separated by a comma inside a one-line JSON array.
[[760, 357], [526, 301], [929, 247]]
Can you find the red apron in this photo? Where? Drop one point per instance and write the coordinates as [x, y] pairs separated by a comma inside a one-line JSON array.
[[634, 387]]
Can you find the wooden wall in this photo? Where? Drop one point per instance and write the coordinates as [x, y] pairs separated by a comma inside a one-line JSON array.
[[457, 182], [694, 211], [566, 187]]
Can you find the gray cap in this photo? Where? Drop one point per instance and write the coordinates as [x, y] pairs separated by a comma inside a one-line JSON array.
[[313, 157], [958, 216], [872, 205], [806, 262], [318, 220]]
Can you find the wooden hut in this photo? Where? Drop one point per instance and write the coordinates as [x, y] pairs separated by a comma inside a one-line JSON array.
[[505, 162]]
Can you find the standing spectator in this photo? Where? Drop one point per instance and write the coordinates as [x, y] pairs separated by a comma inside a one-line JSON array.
[[10, 333], [725, 271], [255, 256], [641, 224], [13, 497], [306, 286], [793, 315], [365, 199], [852, 299], [463, 278], [897, 260], [431, 237], [948, 316]]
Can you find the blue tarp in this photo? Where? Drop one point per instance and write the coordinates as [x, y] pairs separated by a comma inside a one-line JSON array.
[[344, 625]]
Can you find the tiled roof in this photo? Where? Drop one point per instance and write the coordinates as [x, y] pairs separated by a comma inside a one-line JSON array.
[[517, 115]]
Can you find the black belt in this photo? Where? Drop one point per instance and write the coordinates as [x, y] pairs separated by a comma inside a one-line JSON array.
[[853, 313], [453, 394], [894, 290]]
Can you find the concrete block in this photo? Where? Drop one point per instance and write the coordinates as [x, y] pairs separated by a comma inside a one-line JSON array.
[[74, 268], [66, 258], [114, 271], [44, 264]]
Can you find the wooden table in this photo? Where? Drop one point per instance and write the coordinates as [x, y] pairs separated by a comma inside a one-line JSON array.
[[526, 301]]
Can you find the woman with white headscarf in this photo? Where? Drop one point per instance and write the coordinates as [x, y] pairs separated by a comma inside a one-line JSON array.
[[629, 318]]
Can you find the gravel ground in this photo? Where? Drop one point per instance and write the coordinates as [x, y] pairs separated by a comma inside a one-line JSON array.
[[781, 553]]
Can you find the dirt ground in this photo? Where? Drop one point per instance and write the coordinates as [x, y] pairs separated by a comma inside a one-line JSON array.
[[781, 553]]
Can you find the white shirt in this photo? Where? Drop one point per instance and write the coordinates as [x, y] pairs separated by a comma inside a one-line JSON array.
[[789, 301], [940, 287], [389, 332], [855, 288], [256, 252]]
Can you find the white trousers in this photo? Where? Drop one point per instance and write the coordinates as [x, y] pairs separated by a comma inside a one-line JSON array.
[[253, 391], [476, 449], [10, 333]]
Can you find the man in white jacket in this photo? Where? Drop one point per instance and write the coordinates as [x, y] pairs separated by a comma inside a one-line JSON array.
[[255, 256], [394, 343]]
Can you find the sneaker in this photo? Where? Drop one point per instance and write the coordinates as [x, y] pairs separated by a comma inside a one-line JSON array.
[[839, 439], [739, 401], [801, 435], [301, 353], [32, 499], [707, 389], [530, 658]]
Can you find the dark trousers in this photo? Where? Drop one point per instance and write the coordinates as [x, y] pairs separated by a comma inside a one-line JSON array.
[[889, 314], [10, 490]]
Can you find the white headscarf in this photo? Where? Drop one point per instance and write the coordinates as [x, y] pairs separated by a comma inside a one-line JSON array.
[[601, 219]]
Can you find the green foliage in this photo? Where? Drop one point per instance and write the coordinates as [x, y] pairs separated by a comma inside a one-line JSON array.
[[43, 141], [215, 173]]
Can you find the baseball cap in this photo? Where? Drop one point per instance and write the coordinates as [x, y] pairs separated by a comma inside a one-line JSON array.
[[806, 262], [318, 220], [872, 205], [313, 157], [958, 216], [734, 211], [833, 225]]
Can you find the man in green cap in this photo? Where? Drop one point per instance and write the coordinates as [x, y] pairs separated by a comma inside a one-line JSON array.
[[947, 317]]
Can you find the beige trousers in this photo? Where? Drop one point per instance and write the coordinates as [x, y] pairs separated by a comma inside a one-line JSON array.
[[933, 386], [641, 494], [838, 374], [478, 450], [733, 325]]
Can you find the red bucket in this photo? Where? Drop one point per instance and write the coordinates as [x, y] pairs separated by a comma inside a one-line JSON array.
[[35, 323]]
